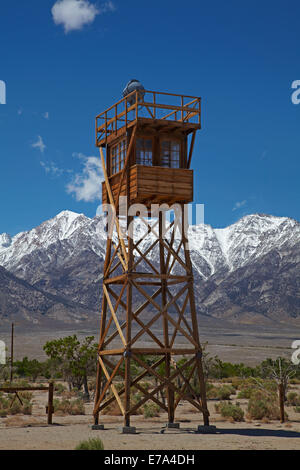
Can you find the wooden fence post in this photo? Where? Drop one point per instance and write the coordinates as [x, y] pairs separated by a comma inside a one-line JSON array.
[[50, 402], [281, 401]]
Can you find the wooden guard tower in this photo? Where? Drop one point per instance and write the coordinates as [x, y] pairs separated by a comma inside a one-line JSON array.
[[148, 306]]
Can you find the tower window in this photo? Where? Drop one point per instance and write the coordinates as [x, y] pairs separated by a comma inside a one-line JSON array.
[[170, 154], [118, 154], [144, 152]]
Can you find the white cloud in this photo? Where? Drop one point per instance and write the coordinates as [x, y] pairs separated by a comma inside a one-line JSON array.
[[46, 115], [39, 144], [75, 14], [238, 205], [107, 6], [52, 169], [86, 185]]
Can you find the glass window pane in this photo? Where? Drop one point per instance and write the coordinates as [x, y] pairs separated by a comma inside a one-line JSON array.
[[144, 152], [170, 154], [118, 154]]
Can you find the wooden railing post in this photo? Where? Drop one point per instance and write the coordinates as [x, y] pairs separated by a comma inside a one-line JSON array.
[[50, 402]]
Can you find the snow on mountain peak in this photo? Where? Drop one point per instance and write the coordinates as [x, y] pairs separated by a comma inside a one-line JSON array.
[[69, 214], [70, 234]]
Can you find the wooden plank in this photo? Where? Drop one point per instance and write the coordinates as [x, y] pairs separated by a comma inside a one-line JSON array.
[[191, 149], [137, 312], [23, 389], [107, 385], [134, 383], [115, 392], [114, 315], [169, 107], [111, 352], [112, 203], [163, 351]]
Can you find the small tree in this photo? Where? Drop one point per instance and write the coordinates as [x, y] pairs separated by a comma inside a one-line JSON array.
[[281, 371], [28, 368], [76, 360]]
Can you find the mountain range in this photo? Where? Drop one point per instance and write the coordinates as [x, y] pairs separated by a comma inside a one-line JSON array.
[[247, 273]]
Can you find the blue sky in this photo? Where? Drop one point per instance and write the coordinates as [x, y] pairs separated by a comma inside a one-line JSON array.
[[62, 69]]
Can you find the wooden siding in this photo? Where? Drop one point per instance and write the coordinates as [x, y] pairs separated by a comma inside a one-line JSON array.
[[154, 184]]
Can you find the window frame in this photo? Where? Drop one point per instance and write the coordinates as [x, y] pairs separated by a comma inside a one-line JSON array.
[[144, 138], [117, 156], [171, 140]]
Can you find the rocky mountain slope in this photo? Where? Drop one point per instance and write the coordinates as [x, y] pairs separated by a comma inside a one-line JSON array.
[[248, 272], [21, 302]]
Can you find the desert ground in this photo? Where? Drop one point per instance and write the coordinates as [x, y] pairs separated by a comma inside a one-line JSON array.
[[239, 345], [32, 433]]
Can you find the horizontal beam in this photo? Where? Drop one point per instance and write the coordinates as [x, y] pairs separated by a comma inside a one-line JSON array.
[[154, 351], [23, 389]]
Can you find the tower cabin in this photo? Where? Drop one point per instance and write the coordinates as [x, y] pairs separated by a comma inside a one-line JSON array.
[[147, 134]]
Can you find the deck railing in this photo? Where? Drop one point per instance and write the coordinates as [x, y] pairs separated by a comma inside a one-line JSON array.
[[148, 105]]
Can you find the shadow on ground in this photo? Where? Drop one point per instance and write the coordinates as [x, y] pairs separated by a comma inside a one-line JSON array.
[[260, 432]]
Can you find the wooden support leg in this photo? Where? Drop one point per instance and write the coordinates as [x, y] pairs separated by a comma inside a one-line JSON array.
[[195, 324], [170, 392], [99, 376], [128, 329]]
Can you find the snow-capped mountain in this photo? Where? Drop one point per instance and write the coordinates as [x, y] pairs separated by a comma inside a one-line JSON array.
[[259, 253]]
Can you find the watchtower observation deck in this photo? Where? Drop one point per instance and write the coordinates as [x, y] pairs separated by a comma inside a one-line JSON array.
[[148, 132]]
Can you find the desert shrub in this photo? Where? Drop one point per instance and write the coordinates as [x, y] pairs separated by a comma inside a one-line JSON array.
[[113, 408], [90, 444], [59, 388], [220, 393], [225, 391], [236, 382], [262, 405], [9, 408], [27, 408], [230, 411], [77, 407], [92, 385], [246, 391], [4, 402], [209, 386], [26, 395], [16, 408], [211, 392], [219, 369], [70, 407], [68, 394], [145, 385], [151, 410], [4, 406], [294, 381], [18, 383], [293, 399], [249, 386]]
